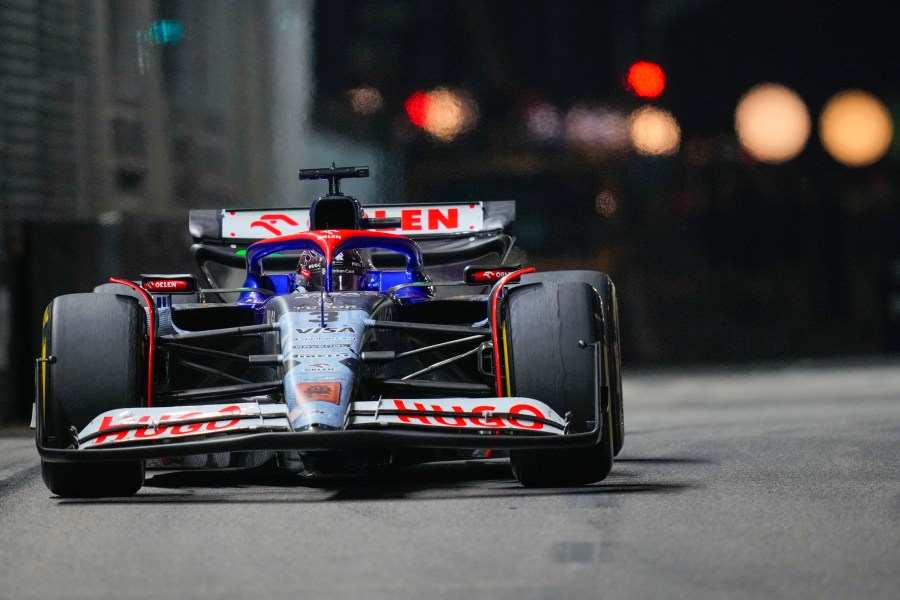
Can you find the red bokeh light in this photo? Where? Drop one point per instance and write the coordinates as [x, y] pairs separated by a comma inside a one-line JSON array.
[[646, 79], [417, 108]]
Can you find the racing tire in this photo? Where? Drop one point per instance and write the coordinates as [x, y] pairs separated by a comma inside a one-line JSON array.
[[607, 290], [96, 343], [544, 325]]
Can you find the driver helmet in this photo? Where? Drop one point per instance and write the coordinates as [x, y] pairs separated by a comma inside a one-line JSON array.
[[348, 269]]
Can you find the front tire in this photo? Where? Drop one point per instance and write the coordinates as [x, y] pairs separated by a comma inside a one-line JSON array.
[[545, 323], [607, 290], [98, 364]]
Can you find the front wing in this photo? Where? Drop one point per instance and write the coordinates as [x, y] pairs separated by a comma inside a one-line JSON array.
[[144, 433]]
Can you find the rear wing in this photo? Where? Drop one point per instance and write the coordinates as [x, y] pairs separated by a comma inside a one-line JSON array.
[[451, 235], [418, 221]]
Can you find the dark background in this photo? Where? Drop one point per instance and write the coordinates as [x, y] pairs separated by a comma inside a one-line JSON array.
[[109, 136]]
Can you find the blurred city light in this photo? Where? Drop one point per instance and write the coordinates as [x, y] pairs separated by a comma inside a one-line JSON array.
[[543, 121], [597, 129], [654, 131], [855, 128], [606, 204], [772, 123], [449, 113], [417, 108], [166, 32], [365, 100], [645, 79], [442, 112]]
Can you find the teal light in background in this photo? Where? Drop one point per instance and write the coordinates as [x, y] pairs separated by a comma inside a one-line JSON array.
[[166, 32]]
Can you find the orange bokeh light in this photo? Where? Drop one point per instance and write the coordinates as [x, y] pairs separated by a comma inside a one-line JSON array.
[[654, 131], [772, 123], [856, 128], [444, 113]]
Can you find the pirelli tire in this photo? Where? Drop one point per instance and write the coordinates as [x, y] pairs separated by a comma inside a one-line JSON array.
[[607, 290], [551, 328], [93, 361]]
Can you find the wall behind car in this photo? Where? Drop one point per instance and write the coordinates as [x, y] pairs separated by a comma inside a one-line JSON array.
[[45, 260]]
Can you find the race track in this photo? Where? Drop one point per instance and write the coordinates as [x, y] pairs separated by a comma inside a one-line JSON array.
[[765, 483]]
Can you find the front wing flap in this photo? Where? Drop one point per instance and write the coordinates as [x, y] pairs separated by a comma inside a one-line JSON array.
[[501, 415], [143, 433], [135, 426]]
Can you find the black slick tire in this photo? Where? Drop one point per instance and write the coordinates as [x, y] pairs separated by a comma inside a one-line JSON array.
[[607, 291], [544, 324], [98, 364]]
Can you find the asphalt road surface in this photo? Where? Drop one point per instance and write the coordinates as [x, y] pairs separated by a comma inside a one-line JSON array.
[[767, 483]]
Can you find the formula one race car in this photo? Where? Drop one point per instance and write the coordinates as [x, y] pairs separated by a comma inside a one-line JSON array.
[[350, 340]]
